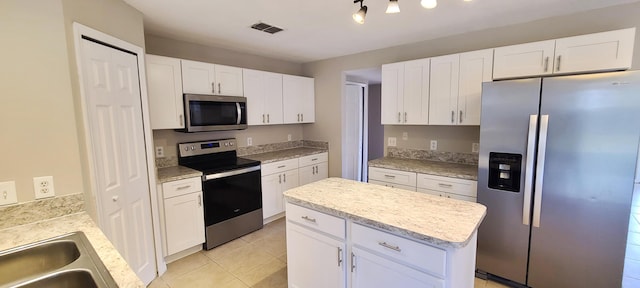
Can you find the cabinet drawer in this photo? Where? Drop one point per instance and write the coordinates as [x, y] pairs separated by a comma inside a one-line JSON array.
[[422, 256], [317, 220], [313, 159], [448, 195], [181, 187], [392, 176], [280, 166], [447, 184], [393, 185]]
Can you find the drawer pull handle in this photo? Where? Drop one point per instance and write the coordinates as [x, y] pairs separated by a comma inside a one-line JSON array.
[[312, 220], [184, 187], [389, 176], [282, 166], [385, 245], [314, 159], [445, 185]]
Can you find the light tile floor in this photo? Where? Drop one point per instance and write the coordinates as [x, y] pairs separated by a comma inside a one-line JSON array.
[[257, 260]]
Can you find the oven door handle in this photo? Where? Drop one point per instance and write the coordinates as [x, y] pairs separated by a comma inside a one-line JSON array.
[[230, 173]]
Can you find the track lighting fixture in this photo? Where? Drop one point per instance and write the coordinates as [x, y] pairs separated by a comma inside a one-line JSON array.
[[392, 7], [359, 16]]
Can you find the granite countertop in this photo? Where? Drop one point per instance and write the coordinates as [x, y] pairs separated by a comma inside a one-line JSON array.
[[174, 173], [284, 154], [436, 220], [29, 233], [446, 169]]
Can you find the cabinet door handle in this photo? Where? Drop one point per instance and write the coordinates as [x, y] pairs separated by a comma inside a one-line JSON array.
[[313, 170], [459, 122], [453, 116], [353, 262], [263, 118], [559, 59], [546, 64], [183, 187], [317, 170], [405, 117], [312, 220], [219, 90], [114, 198], [213, 87], [339, 256], [388, 246], [280, 179], [445, 185], [200, 200], [268, 121], [302, 117], [181, 120], [298, 117], [284, 178], [399, 117]]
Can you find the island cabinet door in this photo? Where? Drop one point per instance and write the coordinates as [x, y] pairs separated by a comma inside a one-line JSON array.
[[314, 260], [372, 271]]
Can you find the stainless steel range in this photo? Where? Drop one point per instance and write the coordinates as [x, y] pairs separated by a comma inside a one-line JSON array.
[[231, 188]]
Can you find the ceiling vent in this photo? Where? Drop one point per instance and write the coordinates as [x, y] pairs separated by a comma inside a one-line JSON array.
[[264, 27]]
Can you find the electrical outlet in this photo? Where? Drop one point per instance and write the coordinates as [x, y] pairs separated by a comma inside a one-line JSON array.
[[434, 145], [43, 186], [405, 136], [8, 193], [288, 137], [249, 141], [391, 142], [475, 147], [159, 152]]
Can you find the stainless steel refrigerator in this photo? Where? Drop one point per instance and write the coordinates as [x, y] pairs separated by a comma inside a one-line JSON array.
[[556, 172]]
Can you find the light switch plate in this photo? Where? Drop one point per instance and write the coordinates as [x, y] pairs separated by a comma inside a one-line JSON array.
[[8, 193], [391, 142]]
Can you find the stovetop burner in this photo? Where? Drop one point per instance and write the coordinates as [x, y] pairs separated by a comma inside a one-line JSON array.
[[212, 156]]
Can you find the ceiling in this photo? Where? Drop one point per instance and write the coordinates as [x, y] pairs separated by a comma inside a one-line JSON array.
[[322, 29]]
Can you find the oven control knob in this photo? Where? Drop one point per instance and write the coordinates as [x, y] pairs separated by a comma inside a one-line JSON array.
[[226, 144], [186, 148], [193, 147], [230, 143]]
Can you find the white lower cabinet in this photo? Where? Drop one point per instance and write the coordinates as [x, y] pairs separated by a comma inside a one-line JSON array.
[[277, 177], [313, 168], [392, 178], [328, 251], [372, 271], [460, 189], [183, 214]]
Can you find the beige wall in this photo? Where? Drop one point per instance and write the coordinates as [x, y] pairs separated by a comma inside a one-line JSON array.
[[37, 113], [328, 73], [259, 134], [40, 116]]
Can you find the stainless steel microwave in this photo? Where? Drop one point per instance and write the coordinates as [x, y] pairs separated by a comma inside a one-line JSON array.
[[214, 113]]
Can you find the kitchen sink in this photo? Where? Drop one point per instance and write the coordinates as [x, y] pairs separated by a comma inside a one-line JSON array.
[[65, 261]]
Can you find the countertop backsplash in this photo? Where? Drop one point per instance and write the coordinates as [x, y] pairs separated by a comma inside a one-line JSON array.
[[451, 157], [39, 210]]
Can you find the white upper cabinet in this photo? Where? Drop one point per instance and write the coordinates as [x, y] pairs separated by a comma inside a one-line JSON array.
[[604, 51], [524, 60], [211, 79], [405, 93], [594, 52], [264, 97], [298, 99], [475, 67], [443, 92], [164, 79]]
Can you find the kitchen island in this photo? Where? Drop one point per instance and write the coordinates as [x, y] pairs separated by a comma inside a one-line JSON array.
[[368, 235]]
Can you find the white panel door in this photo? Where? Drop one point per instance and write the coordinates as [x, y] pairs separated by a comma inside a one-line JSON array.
[[228, 80], [523, 60], [475, 67], [416, 92], [164, 76], [314, 260], [114, 111], [372, 271], [443, 91], [352, 135], [392, 104], [198, 78], [611, 50]]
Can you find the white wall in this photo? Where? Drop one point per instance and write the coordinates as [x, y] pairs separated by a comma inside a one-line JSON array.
[[328, 73]]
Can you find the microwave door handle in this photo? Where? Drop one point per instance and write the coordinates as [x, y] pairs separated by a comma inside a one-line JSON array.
[[239, 113]]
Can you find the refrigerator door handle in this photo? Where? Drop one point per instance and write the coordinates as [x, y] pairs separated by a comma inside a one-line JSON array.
[[542, 149], [528, 180]]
